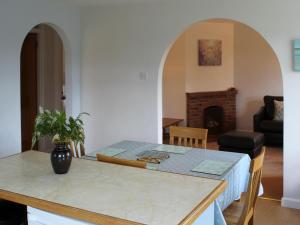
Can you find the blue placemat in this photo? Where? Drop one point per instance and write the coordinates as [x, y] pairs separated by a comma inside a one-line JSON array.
[[110, 151], [172, 148], [212, 167], [152, 166]]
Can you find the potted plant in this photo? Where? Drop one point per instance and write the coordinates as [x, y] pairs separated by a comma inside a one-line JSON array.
[[63, 131]]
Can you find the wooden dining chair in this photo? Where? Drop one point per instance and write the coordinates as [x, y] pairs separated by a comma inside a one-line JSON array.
[[77, 150], [124, 162], [188, 136], [241, 213]]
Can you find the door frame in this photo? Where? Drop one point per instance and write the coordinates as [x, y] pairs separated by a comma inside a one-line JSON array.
[[32, 87], [71, 70]]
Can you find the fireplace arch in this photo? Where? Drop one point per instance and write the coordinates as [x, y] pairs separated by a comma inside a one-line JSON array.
[[213, 117]]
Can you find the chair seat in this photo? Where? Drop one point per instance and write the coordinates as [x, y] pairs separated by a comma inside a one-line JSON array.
[[233, 213]]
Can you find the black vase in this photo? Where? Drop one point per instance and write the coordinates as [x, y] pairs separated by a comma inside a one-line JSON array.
[[61, 158]]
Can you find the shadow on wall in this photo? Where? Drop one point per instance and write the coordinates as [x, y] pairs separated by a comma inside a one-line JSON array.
[[248, 111]]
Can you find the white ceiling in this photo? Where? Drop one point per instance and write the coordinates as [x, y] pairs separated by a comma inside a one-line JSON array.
[[106, 2]]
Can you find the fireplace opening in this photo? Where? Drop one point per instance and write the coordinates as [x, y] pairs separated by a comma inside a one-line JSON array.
[[213, 119]]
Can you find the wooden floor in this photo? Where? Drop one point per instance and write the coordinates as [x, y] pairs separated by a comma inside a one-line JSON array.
[[273, 173], [270, 212]]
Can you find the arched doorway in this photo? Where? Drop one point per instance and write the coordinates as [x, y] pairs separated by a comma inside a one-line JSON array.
[[245, 62], [42, 78]]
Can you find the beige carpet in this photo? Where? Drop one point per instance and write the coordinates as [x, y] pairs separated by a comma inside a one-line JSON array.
[[269, 212]]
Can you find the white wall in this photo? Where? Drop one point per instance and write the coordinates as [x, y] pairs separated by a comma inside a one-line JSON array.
[[174, 99], [256, 73], [182, 73], [121, 41], [17, 17], [209, 78]]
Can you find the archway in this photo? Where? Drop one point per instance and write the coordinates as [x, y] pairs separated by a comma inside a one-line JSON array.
[[42, 78], [251, 67]]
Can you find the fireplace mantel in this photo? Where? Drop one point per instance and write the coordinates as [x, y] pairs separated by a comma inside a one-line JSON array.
[[198, 101]]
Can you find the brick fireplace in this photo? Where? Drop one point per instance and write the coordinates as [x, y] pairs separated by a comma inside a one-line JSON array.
[[199, 102]]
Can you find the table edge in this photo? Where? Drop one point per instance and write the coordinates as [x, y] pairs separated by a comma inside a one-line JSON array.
[[202, 206], [98, 218], [63, 210]]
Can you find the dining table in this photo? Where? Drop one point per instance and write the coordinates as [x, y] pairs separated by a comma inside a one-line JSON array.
[[184, 160], [104, 193]]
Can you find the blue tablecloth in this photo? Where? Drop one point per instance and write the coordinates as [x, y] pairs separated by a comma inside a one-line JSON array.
[[236, 176]]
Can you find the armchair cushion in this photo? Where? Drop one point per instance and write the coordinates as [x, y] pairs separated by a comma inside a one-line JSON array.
[[278, 115], [265, 121], [269, 105], [271, 126]]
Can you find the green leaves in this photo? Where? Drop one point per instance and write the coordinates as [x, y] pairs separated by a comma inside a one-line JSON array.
[[58, 127]]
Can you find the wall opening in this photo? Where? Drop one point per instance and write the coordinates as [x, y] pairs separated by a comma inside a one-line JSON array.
[[214, 56], [42, 79]]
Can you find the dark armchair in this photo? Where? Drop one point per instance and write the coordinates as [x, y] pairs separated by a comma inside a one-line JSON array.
[[263, 122]]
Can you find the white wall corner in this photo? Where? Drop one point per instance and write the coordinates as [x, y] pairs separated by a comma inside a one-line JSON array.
[[290, 203]]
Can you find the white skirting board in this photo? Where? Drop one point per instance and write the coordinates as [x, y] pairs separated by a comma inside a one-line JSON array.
[[290, 203]]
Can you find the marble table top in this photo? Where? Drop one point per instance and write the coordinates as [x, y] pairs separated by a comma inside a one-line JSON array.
[[110, 192]]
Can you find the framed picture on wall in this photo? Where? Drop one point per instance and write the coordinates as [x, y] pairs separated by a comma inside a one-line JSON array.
[[297, 55], [210, 52]]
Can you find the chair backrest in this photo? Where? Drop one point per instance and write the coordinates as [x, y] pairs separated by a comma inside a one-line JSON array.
[[269, 105], [77, 153], [253, 188], [188, 136], [124, 162]]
